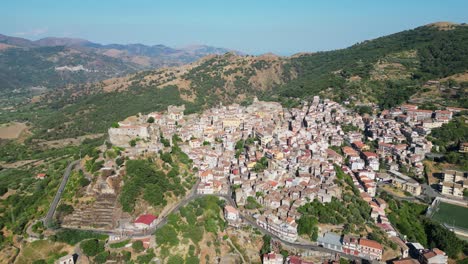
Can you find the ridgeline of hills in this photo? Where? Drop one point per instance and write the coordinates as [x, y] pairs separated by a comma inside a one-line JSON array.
[[57, 62], [386, 71]]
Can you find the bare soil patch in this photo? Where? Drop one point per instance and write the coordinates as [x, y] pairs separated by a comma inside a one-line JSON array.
[[11, 130]]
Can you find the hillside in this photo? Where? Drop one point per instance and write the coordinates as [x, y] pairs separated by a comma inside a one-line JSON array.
[[53, 67], [396, 65], [384, 71], [57, 62]]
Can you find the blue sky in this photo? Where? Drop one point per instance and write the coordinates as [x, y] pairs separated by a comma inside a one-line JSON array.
[[279, 26]]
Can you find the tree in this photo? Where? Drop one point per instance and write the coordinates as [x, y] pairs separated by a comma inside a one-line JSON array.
[[65, 209], [364, 109], [133, 143], [91, 247], [119, 161], [252, 203], [138, 246], [84, 182], [3, 190], [192, 260], [307, 225], [150, 120], [266, 247], [167, 235], [154, 195], [442, 238], [166, 157], [175, 260], [101, 257]]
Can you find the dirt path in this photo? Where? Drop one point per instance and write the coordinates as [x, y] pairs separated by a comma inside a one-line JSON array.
[[237, 250]]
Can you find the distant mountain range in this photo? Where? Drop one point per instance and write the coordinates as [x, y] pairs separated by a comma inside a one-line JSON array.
[[54, 62]]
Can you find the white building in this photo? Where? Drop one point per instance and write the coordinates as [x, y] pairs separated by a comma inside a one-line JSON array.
[[272, 258]]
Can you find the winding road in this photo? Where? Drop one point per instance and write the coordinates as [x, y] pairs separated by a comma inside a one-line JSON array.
[[192, 195]]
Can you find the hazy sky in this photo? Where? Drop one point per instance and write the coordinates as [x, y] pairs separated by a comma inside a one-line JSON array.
[[282, 27]]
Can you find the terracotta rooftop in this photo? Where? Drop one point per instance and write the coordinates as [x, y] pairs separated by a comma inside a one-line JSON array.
[[146, 219], [370, 243]]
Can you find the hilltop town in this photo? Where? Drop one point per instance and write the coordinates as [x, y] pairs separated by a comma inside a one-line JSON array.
[[269, 162]]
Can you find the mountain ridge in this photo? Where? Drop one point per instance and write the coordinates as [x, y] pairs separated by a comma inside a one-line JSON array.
[[80, 60]]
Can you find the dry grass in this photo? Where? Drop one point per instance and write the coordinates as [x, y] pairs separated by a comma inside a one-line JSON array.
[[41, 249], [443, 25], [12, 130], [67, 141], [459, 77]]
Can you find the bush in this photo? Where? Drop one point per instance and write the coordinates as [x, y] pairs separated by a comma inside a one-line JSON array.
[[91, 247], [65, 209], [101, 257], [3, 190], [167, 235], [138, 246], [175, 260], [119, 244], [72, 237], [146, 258]]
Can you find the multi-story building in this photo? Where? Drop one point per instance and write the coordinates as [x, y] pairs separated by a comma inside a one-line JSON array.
[[371, 249]]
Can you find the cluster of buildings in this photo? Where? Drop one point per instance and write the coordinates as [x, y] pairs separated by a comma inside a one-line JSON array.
[[454, 183], [280, 159], [420, 255], [275, 258], [355, 246], [394, 141]]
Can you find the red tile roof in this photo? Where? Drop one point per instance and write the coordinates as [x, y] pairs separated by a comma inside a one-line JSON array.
[[146, 219], [370, 154], [230, 209], [40, 175], [370, 243]]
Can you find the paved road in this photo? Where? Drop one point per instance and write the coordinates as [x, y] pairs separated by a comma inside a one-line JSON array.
[[53, 206], [423, 198], [190, 197], [144, 233], [301, 245]]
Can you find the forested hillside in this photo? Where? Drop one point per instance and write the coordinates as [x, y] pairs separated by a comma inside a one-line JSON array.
[[387, 70]]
